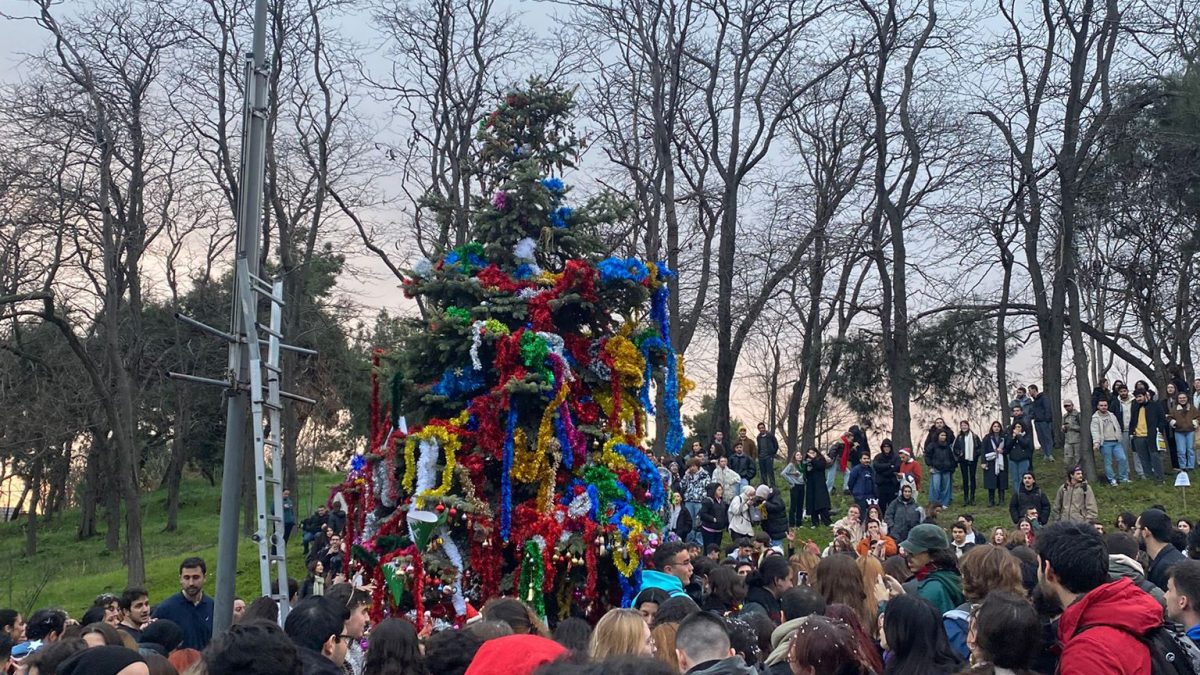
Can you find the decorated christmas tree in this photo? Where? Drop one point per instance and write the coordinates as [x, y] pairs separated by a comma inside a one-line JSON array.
[[512, 461]]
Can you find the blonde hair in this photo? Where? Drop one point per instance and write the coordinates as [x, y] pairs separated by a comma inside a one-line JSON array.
[[664, 637], [803, 561], [620, 632], [872, 571]]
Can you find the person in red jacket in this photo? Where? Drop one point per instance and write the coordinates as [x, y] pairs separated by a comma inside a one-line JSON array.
[[1104, 621], [910, 468]]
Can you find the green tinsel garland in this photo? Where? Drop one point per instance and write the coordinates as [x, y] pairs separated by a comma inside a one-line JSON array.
[[532, 578]]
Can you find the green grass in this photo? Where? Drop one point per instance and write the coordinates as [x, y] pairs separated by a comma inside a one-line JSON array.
[[1135, 497], [74, 571]]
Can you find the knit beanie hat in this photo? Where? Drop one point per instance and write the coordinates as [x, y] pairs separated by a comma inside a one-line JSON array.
[[514, 655], [762, 492]]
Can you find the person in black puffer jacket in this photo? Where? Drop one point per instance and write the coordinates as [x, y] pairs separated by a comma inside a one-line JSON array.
[[776, 522], [714, 516], [1029, 496], [886, 469]]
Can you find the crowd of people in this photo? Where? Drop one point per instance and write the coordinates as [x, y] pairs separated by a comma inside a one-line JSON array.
[[894, 592], [1068, 598]]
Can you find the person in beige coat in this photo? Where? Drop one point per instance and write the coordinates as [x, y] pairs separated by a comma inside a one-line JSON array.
[[1075, 499]]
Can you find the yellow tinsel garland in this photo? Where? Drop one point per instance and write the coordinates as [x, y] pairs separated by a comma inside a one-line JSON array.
[[449, 444], [626, 558], [628, 364]]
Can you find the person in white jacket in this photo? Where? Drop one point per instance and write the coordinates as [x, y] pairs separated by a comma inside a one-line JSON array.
[[727, 477], [1106, 437], [740, 523]]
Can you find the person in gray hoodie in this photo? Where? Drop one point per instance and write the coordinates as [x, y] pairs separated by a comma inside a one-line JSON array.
[[1122, 562], [702, 646]]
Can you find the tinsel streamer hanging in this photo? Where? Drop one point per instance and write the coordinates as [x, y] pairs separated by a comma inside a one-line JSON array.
[[451, 550], [506, 474], [659, 313], [589, 557], [531, 587]]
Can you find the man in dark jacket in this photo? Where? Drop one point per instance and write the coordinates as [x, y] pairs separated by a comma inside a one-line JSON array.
[[768, 448], [743, 464], [1042, 415], [315, 626], [1154, 533], [1145, 421], [312, 525], [702, 647], [1029, 496], [776, 522]]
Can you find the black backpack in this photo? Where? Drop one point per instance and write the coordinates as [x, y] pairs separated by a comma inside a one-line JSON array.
[[1172, 652]]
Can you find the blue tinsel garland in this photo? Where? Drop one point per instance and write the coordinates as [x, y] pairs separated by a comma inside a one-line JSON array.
[[647, 472], [616, 269], [506, 475]]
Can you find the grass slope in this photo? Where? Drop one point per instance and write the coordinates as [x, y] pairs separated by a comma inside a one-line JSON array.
[[75, 572]]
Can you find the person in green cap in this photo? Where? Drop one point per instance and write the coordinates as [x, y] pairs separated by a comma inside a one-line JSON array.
[[935, 570]]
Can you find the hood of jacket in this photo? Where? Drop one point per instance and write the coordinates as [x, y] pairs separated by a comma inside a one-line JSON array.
[[734, 665], [1118, 604], [660, 580], [780, 640]]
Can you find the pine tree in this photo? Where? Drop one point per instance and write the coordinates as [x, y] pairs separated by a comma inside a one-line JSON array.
[[531, 378]]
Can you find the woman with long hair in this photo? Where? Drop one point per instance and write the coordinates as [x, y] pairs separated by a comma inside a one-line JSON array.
[[999, 537], [804, 563], [872, 573], [825, 646], [395, 650], [714, 515], [913, 635], [838, 579], [664, 644], [621, 632], [995, 464], [865, 642], [314, 583], [727, 590], [1005, 635]]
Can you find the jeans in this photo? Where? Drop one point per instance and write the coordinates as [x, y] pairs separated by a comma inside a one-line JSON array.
[[307, 539], [1184, 450], [693, 508], [968, 479], [1044, 437], [1147, 452], [1016, 469], [830, 476], [1127, 446], [941, 488], [1112, 450]]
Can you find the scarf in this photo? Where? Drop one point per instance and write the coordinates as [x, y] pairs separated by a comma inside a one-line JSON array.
[[998, 448]]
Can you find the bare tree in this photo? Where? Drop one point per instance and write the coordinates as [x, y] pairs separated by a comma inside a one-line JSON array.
[[94, 102], [753, 62]]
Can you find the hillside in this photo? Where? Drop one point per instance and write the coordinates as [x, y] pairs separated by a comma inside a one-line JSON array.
[[74, 571]]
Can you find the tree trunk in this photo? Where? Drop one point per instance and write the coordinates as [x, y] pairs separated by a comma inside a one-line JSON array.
[[35, 488], [87, 496], [1006, 260], [726, 359], [174, 477]]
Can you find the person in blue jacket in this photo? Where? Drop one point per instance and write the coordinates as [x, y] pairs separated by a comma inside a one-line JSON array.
[[861, 483], [672, 569]]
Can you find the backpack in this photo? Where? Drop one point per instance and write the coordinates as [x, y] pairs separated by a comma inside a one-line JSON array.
[[1172, 652]]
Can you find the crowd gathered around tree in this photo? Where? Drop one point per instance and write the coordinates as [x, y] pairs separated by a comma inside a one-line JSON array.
[[901, 588]]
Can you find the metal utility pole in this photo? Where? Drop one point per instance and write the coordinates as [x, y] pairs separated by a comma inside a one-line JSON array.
[[252, 381]]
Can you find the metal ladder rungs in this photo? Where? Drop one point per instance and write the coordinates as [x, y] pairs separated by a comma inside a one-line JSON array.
[[269, 331]]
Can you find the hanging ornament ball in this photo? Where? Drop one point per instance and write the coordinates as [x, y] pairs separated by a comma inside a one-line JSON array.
[[453, 512], [440, 508]]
